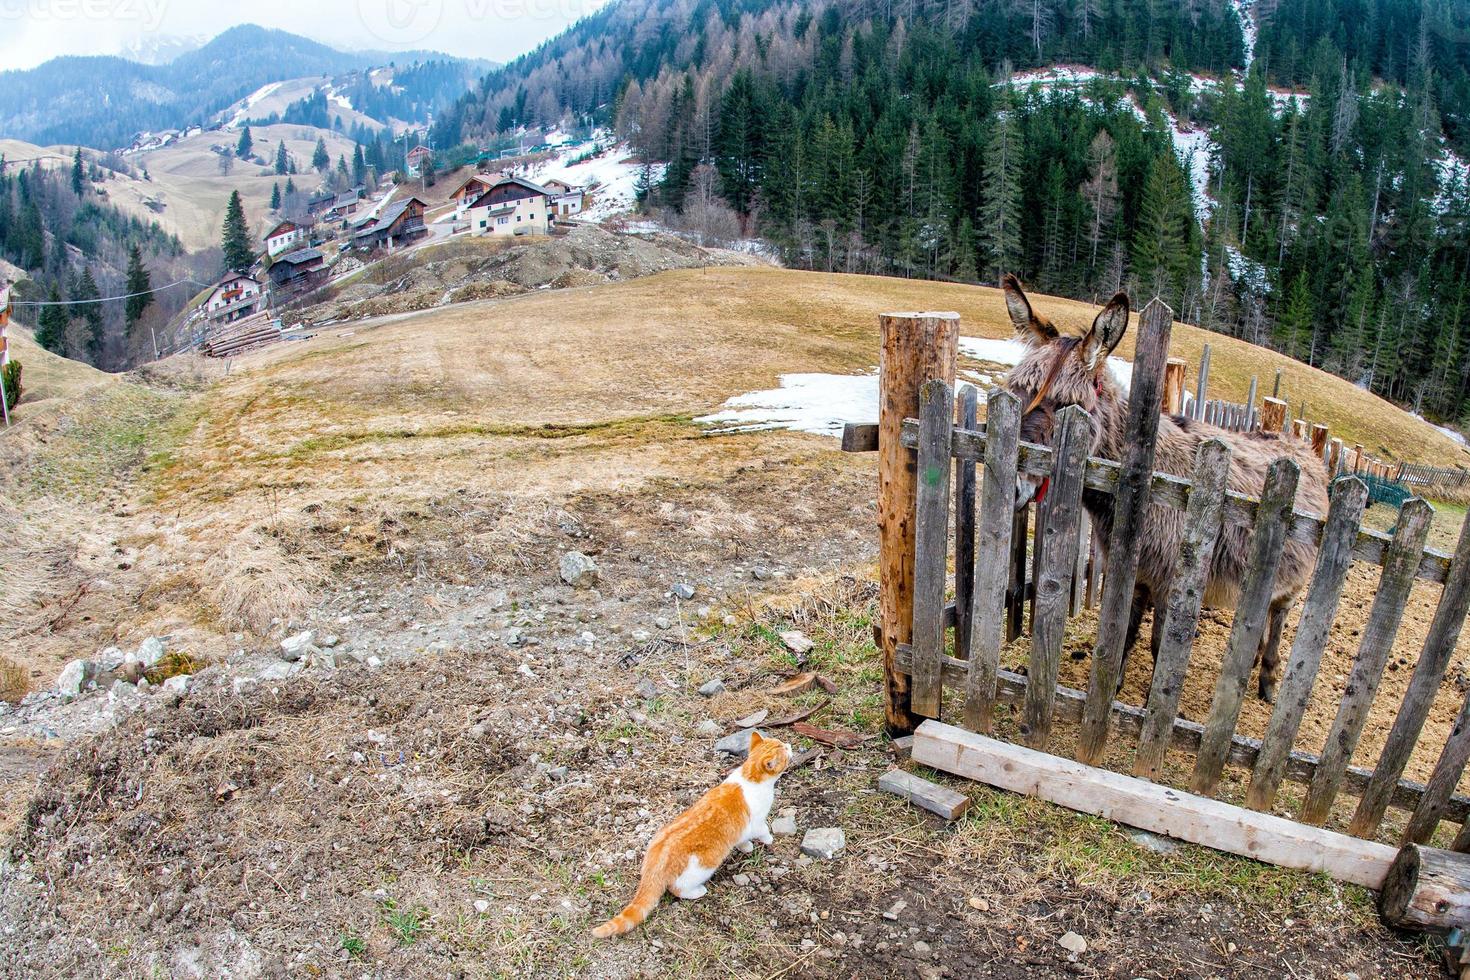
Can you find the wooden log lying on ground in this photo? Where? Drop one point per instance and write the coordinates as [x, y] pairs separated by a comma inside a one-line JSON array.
[[1152, 806], [923, 794], [1427, 888]]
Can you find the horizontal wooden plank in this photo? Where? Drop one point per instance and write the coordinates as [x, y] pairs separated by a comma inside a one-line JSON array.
[[860, 437], [1173, 491], [1187, 735], [1152, 806], [923, 794]]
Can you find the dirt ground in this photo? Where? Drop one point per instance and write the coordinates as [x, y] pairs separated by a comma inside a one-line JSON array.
[[409, 485]]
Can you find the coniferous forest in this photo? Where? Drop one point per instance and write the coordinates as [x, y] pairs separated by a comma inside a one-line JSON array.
[[1297, 183]]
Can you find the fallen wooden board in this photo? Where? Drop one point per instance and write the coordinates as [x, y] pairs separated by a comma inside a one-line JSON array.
[[827, 736], [795, 685], [1152, 807], [924, 794]]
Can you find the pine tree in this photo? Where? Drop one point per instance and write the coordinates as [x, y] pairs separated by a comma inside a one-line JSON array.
[[246, 144], [52, 323], [275, 197], [1162, 258], [138, 289], [1000, 210], [1294, 325], [235, 238], [85, 295], [283, 161], [78, 175], [359, 165], [1101, 194], [320, 158]]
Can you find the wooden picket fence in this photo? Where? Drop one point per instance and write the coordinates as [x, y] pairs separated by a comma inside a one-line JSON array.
[[1420, 474], [957, 644]]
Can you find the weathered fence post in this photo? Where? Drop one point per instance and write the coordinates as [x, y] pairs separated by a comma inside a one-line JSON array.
[[931, 536], [1174, 370], [1130, 505], [1056, 560], [1204, 382], [1181, 618], [1434, 658], [917, 347], [1334, 456], [1273, 414], [1399, 565], [968, 415], [1319, 440], [1250, 407], [992, 556], [1334, 556]]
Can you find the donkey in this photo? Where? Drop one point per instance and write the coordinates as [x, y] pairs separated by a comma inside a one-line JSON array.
[[1060, 371]]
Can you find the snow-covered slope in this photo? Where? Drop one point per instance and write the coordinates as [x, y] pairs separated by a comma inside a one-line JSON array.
[[609, 172]]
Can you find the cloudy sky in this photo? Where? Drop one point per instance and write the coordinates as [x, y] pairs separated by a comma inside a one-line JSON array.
[[31, 31]]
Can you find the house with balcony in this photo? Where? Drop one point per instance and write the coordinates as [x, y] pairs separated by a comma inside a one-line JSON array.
[[234, 297], [513, 206], [566, 199], [400, 223], [285, 237]]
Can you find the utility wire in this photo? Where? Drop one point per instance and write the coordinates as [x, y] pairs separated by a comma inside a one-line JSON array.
[[105, 299]]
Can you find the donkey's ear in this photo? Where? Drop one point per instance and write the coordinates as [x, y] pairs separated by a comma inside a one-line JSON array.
[[1033, 329], [1107, 331]]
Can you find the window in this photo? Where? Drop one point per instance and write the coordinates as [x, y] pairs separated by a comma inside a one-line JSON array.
[[502, 221], [518, 217]]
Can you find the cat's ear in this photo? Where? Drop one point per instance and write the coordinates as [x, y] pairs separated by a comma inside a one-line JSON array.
[[755, 739]]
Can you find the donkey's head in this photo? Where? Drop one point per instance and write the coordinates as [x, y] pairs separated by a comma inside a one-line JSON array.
[[1060, 371]]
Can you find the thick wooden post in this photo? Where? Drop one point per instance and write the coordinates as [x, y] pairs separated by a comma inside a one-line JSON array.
[[1130, 504], [1358, 457], [1273, 415], [1426, 889], [1319, 440], [1250, 407], [1334, 456], [917, 347], [1174, 370]]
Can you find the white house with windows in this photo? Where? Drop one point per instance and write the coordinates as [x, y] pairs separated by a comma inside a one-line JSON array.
[[234, 297], [513, 206], [285, 237], [566, 199]]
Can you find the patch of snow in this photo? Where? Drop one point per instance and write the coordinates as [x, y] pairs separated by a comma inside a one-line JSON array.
[[251, 100], [1247, 270], [1457, 437], [1053, 75], [610, 176], [1452, 172], [1245, 10], [823, 403], [1195, 148]]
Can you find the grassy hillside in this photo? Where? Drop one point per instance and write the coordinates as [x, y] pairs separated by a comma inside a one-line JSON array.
[[48, 380], [186, 193]]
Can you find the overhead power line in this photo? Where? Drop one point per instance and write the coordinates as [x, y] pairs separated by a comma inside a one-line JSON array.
[[106, 299]]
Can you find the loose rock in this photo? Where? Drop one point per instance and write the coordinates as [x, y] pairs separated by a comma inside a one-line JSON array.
[[578, 571], [796, 641], [712, 687], [293, 648], [75, 677], [824, 842], [736, 743], [1072, 943], [683, 590]]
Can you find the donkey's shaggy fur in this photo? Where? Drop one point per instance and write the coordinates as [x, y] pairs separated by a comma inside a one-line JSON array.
[[1061, 371]]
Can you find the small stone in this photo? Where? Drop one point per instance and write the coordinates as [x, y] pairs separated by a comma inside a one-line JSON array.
[[75, 677], [784, 825], [178, 683], [796, 641], [641, 636], [979, 904], [578, 571], [683, 590], [330, 640], [662, 622], [149, 652], [514, 636], [481, 906], [1073, 943], [647, 689], [741, 879], [730, 620], [709, 728], [824, 842], [895, 910], [736, 743], [920, 948], [760, 574], [1153, 842], [293, 648], [712, 687]]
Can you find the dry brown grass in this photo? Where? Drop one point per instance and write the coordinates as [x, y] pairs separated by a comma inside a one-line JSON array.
[[15, 680]]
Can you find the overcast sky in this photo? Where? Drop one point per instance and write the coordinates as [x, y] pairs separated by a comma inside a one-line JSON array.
[[31, 31]]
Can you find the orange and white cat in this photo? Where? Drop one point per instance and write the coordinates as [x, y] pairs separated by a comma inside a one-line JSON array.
[[691, 847]]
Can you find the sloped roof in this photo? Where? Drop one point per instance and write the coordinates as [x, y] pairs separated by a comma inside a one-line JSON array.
[[530, 185], [300, 255], [281, 229], [389, 214]]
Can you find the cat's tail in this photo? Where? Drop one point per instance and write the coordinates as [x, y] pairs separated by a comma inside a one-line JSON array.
[[650, 889]]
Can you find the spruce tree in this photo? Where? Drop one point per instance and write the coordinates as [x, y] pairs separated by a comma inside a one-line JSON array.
[[52, 323], [138, 285], [235, 238], [1294, 324], [321, 159], [85, 295], [359, 165], [275, 197], [283, 161], [246, 144], [1162, 257], [1000, 209], [78, 175]]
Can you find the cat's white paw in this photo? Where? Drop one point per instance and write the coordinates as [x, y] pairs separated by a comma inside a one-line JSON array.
[[691, 894], [745, 847]]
